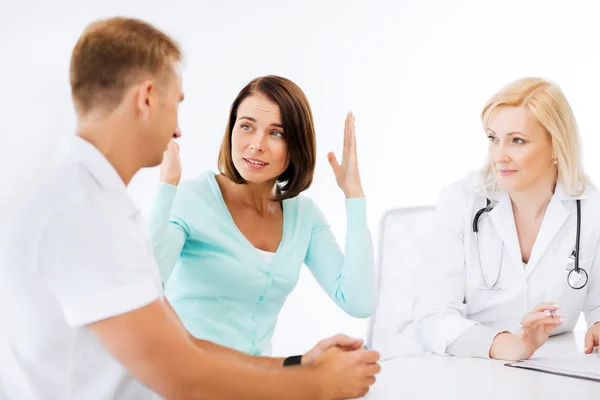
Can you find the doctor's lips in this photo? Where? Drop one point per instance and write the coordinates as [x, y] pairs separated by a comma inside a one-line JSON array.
[[506, 172]]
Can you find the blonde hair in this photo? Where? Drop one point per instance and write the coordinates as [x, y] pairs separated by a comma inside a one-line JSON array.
[[111, 54], [549, 105]]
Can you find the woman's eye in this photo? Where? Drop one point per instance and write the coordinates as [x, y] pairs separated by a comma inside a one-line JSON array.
[[277, 134], [491, 138], [518, 141], [246, 127]]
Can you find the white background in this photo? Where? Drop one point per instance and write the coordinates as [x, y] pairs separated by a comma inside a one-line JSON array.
[[415, 73]]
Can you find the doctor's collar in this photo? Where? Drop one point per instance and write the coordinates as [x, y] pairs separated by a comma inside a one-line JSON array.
[[559, 194]]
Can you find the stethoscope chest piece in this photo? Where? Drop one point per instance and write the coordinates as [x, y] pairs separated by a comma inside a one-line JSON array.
[[577, 279]]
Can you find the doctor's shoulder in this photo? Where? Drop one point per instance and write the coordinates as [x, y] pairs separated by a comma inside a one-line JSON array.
[[591, 196], [463, 193], [590, 216]]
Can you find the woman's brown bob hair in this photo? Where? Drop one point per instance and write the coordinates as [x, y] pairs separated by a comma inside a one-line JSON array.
[[298, 133]]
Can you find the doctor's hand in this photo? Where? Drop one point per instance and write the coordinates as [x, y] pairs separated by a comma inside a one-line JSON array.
[[536, 328], [342, 341], [170, 167], [346, 173], [592, 338]]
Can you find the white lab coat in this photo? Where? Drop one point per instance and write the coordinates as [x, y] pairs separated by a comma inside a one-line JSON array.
[[449, 295]]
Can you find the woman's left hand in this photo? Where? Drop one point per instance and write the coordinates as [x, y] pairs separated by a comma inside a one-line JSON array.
[[346, 174], [592, 338]]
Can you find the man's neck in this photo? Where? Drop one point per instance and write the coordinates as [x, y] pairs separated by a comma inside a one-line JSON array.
[[111, 139]]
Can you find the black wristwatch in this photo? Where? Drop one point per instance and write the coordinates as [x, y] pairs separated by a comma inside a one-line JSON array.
[[292, 360]]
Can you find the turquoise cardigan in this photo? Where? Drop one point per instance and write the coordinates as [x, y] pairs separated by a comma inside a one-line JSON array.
[[220, 285]]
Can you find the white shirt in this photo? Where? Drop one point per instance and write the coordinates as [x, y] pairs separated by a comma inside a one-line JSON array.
[[77, 252], [453, 311], [266, 255]]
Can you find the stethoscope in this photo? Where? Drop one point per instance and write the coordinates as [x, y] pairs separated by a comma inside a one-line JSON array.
[[577, 277]]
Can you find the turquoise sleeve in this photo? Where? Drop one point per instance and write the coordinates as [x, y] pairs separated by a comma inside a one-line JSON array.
[[167, 234], [349, 279]]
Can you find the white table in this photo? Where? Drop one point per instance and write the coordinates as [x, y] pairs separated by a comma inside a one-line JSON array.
[[443, 377]]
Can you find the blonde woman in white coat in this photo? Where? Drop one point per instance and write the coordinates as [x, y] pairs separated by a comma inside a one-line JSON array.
[[502, 291]]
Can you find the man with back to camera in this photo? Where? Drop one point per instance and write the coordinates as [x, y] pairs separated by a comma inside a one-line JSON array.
[[81, 289]]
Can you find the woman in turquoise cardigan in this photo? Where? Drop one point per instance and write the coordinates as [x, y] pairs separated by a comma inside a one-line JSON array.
[[230, 246]]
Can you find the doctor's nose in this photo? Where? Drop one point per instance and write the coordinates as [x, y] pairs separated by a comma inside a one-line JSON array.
[[500, 156]]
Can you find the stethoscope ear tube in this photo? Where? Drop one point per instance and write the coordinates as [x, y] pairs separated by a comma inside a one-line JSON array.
[[488, 207], [578, 236], [578, 277], [478, 215]]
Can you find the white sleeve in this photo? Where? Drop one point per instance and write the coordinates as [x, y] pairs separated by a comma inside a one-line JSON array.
[[591, 306], [96, 263], [439, 309], [476, 341]]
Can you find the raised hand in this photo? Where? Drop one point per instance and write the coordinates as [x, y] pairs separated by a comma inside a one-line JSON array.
[[170, 168], [346, 173]]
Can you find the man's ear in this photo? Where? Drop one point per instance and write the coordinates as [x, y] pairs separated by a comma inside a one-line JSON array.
[[144, 97]]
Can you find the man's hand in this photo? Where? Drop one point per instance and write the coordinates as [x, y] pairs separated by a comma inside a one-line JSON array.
[[342, 341], [346, 374]]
